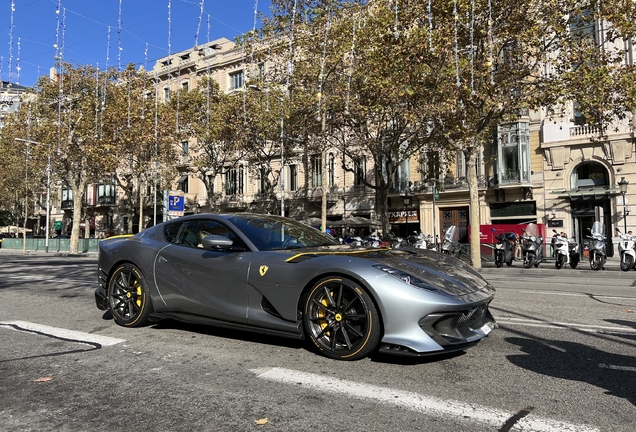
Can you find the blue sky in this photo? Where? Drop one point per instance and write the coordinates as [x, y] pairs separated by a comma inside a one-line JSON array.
[[84, 38]]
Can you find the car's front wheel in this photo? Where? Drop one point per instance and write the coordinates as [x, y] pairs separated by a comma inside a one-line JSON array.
[[341, 320], [128, 297]]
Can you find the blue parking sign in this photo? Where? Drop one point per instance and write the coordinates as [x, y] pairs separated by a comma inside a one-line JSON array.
[[176, 203]]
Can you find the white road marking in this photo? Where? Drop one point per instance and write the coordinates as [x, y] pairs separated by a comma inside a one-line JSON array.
[[551, 324], [72, 335], [416, 402], [52, 279], [568, 294], [617, 367]]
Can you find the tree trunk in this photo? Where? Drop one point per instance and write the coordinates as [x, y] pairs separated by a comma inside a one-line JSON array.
[[141, 208], [77, 218], [473, 189]]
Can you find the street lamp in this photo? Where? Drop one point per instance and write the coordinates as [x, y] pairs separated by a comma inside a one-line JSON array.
[[623, 185], [282, 151], [48, 191]]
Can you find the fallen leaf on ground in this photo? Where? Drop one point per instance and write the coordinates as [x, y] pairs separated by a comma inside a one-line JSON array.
[[43, 379], [628, 311], [261, 421]]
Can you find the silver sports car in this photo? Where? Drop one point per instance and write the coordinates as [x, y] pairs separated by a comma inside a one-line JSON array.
[[273, 275]]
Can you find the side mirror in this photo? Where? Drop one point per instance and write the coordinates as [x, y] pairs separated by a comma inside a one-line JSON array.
[[216, 242]]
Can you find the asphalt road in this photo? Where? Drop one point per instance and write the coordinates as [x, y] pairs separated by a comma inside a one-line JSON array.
[[563, 358]]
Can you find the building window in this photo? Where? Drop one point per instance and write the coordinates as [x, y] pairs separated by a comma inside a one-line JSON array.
[[430, 165], [262, 181], [184, 86], [166, 94], [185, 148], [359, 172], [105, 194], [402, 176], [513, 163], [293, 177], [461, 164], [316, 171], [210, 184], [67, 198], [236, 80], [235, 181], [183, 184], [332, 170]]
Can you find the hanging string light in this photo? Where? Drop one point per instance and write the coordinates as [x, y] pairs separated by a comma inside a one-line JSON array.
[[396, 33], [17, 65], [143, 79], [11, 27], [207, 81], [323, 61], [119, 48], [472, 47], [196, 35], [352, 54], [97, 101], [490, 56], [456, 19], [430, 25]]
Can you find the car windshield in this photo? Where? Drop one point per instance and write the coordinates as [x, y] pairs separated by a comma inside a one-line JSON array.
[[276, 232]]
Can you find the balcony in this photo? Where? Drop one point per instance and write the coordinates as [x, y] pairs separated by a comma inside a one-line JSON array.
[[510, 178]]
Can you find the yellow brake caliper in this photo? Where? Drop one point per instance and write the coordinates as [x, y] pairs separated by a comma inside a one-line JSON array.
[[322, 314], [138, 287]]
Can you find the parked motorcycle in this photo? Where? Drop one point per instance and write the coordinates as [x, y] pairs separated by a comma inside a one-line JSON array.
[[566, 251], [504, 248], [531, 246], [597, 246], [451, 245], [626, 250]]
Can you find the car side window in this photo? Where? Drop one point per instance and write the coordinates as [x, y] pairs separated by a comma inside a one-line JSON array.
[[171, 230], [193, 232]]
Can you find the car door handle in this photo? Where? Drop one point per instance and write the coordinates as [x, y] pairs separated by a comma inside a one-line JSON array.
[[162, 260]]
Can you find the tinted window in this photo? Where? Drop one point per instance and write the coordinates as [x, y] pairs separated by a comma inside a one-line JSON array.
[[171, 230], [192, 232]]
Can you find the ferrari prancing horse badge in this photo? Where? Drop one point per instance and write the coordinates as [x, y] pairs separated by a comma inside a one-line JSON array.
[[263, 270]]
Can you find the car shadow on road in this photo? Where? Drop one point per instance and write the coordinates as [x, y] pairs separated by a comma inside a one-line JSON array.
[[228, 333], [578, 362], [298, 344]]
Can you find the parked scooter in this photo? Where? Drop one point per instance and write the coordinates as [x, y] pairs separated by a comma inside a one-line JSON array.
[[451, 245], [597, 246], [626, 250], [531, 246], [566, 251], [504, 249]]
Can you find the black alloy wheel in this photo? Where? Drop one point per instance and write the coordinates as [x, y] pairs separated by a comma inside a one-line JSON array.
[[128, 297], [574, 262], [498, 260], [341, 319], [560, 261]]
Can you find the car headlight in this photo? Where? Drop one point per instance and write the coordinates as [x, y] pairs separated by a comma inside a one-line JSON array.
[[409, 279]]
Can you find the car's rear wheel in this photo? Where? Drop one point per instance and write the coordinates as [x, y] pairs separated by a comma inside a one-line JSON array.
[[341, 319], [128, 297]]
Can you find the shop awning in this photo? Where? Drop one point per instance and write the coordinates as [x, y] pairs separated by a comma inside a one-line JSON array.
[[588, 193]]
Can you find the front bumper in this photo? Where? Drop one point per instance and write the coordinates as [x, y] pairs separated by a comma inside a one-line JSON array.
[[100, 299]]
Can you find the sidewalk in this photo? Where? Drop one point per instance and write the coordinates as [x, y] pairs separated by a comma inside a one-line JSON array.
[[51, 253]]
